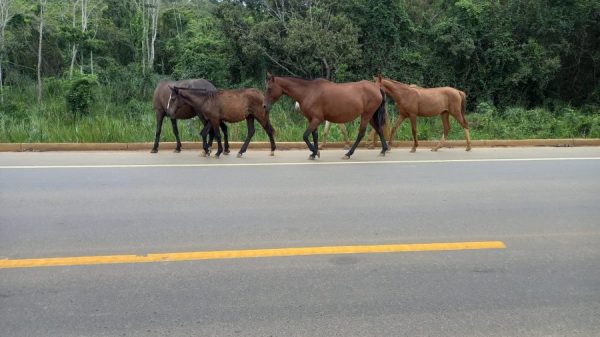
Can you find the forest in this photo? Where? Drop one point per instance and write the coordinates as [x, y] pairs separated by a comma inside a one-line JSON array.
[[85, 70]]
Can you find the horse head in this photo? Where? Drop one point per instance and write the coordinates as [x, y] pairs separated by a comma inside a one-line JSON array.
[[174, 101], [274, 91]]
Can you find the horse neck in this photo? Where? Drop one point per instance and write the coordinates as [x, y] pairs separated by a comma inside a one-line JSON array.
[[392, 86], [294, 87]]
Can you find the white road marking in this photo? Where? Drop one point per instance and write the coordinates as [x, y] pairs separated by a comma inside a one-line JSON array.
[[315, 163]]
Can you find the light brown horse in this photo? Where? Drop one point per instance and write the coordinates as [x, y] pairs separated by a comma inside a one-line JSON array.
[[412, 101], [230, 106], [161, 100], [322, 100]]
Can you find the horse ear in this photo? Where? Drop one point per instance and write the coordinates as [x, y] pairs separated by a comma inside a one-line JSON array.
[[175, 90]]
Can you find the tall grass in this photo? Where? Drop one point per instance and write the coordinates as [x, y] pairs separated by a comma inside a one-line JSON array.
[[133, 120]]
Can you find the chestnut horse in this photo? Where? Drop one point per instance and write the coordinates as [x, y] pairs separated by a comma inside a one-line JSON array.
[[161, 99], [412, 101], [225, 106], [322, 100], [342, 128]]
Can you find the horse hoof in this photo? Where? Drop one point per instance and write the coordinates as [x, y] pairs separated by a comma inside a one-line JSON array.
[[177, 150], [434, 149], [311, 157], [154, 151], [382, 154], [319, 154], [239, 155], [226, 152], [468, 149], [272, 154], [217, 156], [413, 150], [346, 157]]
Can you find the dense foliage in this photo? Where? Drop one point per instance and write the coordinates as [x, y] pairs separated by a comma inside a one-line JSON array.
[[516, 59]]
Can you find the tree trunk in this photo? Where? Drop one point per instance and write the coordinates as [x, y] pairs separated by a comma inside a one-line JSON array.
[[39, 64]]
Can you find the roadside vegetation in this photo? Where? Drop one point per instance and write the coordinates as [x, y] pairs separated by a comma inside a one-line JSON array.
[[84, 71]]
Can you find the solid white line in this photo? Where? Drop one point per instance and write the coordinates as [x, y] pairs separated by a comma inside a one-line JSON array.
[[299, 163]]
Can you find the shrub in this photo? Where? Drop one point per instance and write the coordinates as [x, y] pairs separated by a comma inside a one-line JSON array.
[[80, 94]]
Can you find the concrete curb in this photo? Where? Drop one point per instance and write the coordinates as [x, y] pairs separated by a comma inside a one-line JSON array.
[[22, 147]]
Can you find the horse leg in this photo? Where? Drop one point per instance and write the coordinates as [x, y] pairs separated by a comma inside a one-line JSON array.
[[379, 130], [371, 141], [176, 132], [465, 126], [266, 124], [325, 134], [203, 134], [215, 127], [446, 123], [225, 137], [250, 124], [312, 126], [361, 133], [413, 125], [399, 121], [315, 135], [345, 133], [159, 122]]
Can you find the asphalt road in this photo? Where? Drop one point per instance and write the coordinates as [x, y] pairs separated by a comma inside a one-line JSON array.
[[542, 203]]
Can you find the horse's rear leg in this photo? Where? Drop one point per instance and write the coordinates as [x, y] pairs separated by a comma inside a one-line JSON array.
[[379, 130], [250, 124], [446, 123], [159, 122], [395, 128], [312, 126], [413, 125], [266, 124], [361, 133]]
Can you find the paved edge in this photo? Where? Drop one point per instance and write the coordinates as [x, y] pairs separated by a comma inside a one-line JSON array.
[[22, 147]]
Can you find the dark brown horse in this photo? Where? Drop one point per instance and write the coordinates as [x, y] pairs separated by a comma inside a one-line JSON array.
[[230, 106], [412, 101], [161, 100], [322, 100]]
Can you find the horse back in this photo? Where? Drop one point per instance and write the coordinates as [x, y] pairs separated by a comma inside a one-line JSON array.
[[163, 92]]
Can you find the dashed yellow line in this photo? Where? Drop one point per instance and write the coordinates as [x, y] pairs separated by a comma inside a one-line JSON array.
[[248, 253]]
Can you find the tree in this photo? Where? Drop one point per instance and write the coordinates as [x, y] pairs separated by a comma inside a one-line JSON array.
[[6, 13]]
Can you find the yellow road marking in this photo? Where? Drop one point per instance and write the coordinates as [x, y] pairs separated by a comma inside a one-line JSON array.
[[249, 253]]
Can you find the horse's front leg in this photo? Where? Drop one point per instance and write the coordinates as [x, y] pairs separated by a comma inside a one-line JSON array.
[[250, 124], [215, 128], [225, 136], [176, 132], [312, 126], [205, 143]]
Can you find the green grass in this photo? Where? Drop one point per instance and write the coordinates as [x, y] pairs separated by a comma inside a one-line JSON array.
[[134, 121]]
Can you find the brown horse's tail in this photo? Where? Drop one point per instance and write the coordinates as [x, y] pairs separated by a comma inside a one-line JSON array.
[[463, 105], [380, 114]]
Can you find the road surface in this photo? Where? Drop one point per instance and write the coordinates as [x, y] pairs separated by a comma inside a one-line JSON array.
[[78, 208]]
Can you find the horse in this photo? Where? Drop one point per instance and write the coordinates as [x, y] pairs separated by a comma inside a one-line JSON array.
[[161, 100], [225, 105], [412, 101], [322, 100], [326, 131]]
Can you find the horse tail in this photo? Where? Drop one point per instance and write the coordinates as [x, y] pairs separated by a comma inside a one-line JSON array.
[[380, 114], [463, 106]]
